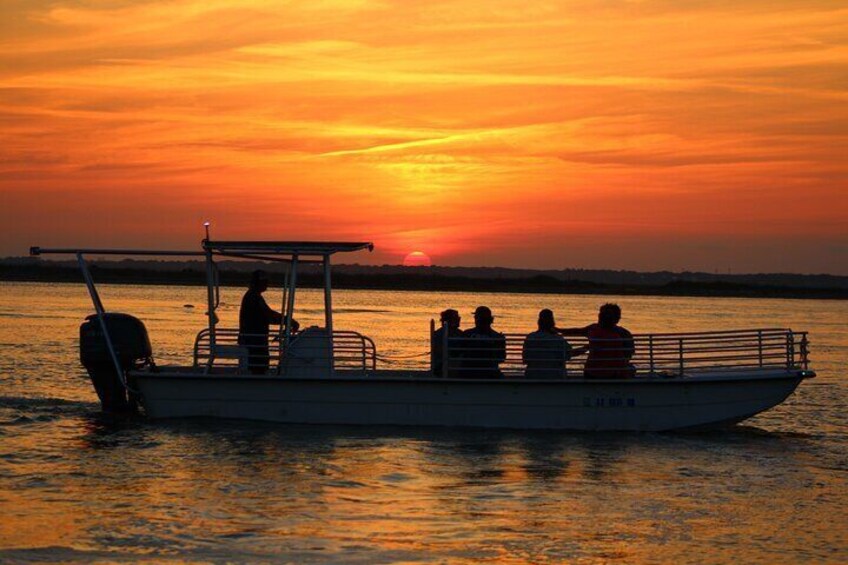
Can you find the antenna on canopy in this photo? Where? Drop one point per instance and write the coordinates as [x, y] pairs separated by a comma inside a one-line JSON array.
[[206, 227]]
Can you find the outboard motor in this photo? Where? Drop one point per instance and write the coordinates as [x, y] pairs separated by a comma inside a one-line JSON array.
[[132, 346]]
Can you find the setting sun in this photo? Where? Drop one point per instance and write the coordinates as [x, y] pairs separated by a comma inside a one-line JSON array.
[[624, 135], [417, 259]]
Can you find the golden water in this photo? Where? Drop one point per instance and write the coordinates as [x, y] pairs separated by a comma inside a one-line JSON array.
[[74, 487]]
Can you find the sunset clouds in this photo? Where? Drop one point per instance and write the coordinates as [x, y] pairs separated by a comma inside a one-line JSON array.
[[621, 134]]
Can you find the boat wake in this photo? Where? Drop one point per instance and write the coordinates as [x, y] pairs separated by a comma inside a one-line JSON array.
[[43, 402], [21, 410]]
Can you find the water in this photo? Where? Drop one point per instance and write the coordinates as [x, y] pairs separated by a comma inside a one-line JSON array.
[[74, 487]]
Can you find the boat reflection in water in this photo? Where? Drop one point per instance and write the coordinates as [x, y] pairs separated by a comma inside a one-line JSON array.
[[325, 376], [392, 494]]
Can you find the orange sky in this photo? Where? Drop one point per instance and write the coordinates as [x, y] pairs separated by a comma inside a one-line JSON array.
[[667, 134]]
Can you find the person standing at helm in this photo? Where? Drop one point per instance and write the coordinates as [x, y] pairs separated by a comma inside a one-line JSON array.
[[255, 319]]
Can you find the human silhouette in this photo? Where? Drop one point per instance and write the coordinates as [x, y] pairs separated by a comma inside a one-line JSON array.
[[610, 346], [545, 351], [255, 317], [483, 349], [438, 355]]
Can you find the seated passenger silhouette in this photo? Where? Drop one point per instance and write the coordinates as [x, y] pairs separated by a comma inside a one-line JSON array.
[[610, 346], [255, 317], [545, 351], [438, 355], [483, 349]]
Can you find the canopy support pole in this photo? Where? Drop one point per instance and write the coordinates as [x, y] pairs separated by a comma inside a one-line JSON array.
[[210, 299], [98, 307], [328, 311], [281, 332], [289, 313]]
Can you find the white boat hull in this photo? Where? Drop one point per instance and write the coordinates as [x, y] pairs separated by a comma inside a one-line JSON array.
[[632, 405]]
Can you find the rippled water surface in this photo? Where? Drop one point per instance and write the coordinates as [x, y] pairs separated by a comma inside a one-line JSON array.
[[75, 487]]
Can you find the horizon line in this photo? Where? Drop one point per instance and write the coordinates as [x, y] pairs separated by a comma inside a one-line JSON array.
[[423, 267]]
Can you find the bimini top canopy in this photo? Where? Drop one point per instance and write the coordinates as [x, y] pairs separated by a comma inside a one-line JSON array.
[[286, 248], [291, 252], [253, 249]]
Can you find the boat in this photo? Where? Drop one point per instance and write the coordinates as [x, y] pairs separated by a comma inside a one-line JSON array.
[[322, 375]]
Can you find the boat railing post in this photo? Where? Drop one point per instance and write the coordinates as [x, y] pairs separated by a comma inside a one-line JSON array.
[[652, 371], [445, 350], [680, 346], [790, 349], [98, 307], [804, 351], [760, 346], [364, 355], [432, 336]]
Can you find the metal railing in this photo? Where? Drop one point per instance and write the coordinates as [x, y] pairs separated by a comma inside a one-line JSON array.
[[659, 355], [350, 351], [643, 355]]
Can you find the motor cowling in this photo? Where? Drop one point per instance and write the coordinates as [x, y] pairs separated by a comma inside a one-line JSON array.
[[132, 347]]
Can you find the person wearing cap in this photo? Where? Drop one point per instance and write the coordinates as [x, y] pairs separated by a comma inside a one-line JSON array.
[[545, 351], [449, 325], [611, 346], [255, 317], [482, 348]]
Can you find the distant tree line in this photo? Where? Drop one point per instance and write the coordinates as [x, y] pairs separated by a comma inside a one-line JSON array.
[[409, 279]]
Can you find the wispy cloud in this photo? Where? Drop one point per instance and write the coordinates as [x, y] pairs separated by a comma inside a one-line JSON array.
[[457, 127]]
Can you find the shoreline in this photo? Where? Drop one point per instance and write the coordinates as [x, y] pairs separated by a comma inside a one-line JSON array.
[[426, 283]]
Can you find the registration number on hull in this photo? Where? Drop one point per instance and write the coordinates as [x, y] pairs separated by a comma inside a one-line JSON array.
[[608, 402]]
